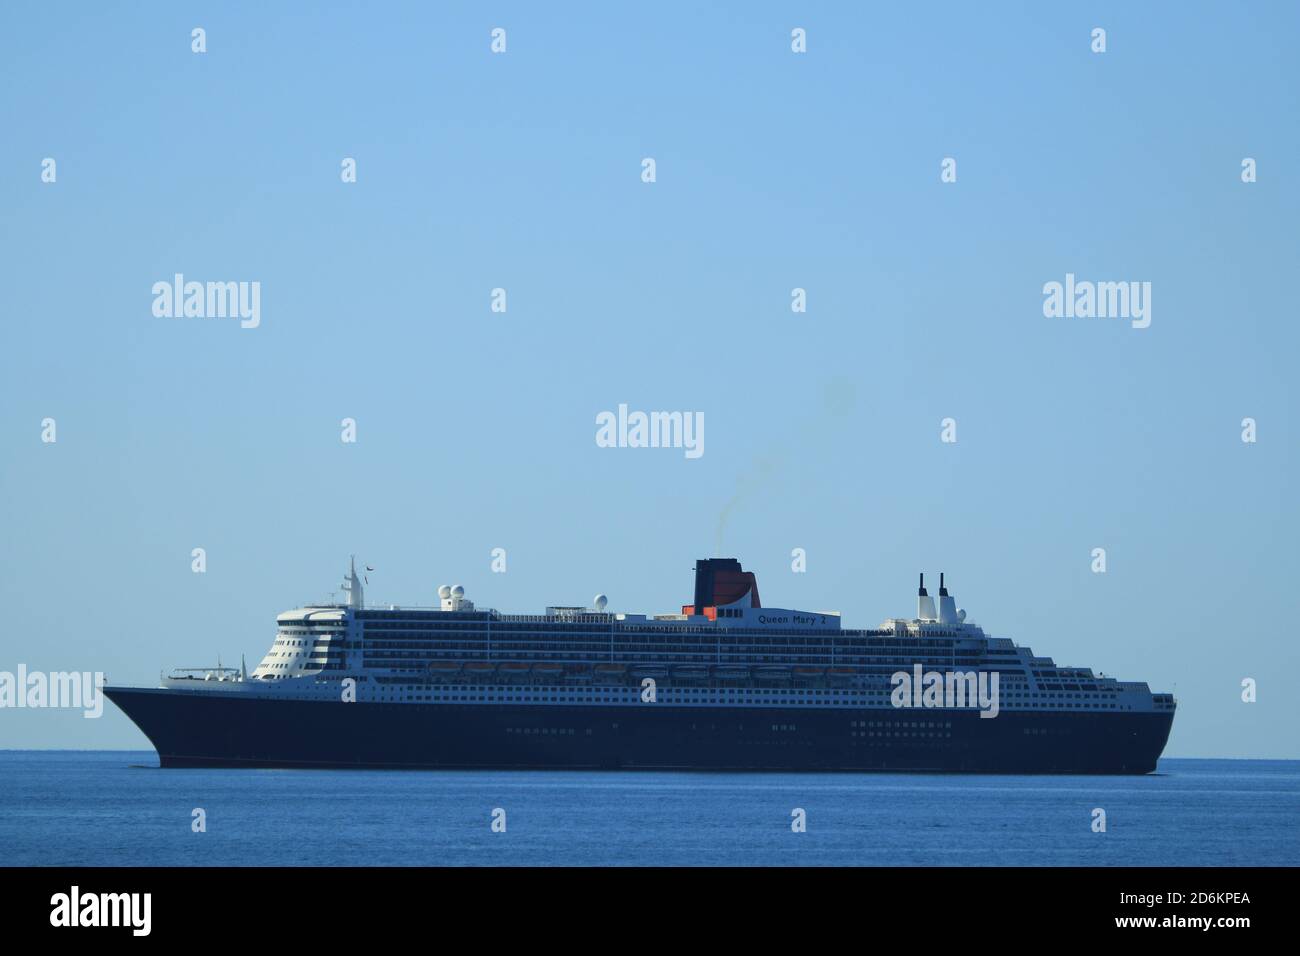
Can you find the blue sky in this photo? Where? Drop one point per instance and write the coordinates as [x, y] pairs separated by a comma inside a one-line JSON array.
[[774, 171]]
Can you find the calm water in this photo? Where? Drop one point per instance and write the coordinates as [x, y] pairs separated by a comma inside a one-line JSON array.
[[101, 808]]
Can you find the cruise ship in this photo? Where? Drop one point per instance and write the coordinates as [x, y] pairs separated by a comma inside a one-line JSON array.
[[723, 684]]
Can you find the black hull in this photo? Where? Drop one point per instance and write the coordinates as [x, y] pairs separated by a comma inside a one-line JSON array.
[[234, 730]]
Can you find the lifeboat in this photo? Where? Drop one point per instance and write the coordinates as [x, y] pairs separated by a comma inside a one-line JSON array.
[[691, 672], [578, 674], [653, 671], [609, 673], [731, 672], [514, 669], [840, 675], [772, 672], [808, 671], [444, 668], [548, 670], [479, 669]]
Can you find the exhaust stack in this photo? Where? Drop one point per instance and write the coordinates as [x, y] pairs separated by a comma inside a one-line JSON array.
[[720, 581], [947, 604], [924, 603]]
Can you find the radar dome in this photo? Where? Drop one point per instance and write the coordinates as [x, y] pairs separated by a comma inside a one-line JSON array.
[[600, 601], [458, 591], [444, 592], [961, 614]]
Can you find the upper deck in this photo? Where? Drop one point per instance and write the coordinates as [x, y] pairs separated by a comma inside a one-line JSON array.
[[726, 636]]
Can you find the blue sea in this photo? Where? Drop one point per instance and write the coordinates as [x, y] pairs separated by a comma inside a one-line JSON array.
[[104, 808]]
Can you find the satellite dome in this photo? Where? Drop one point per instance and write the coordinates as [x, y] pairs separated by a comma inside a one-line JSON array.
[[599, 602], [444, 592], [458, 591], [961, 614]]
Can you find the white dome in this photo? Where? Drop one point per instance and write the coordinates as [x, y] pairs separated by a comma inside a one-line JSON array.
[[444, 592], [599, 602], [458, 591]]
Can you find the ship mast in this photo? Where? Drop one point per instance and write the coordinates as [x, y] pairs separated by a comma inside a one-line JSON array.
[[352, 584]]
